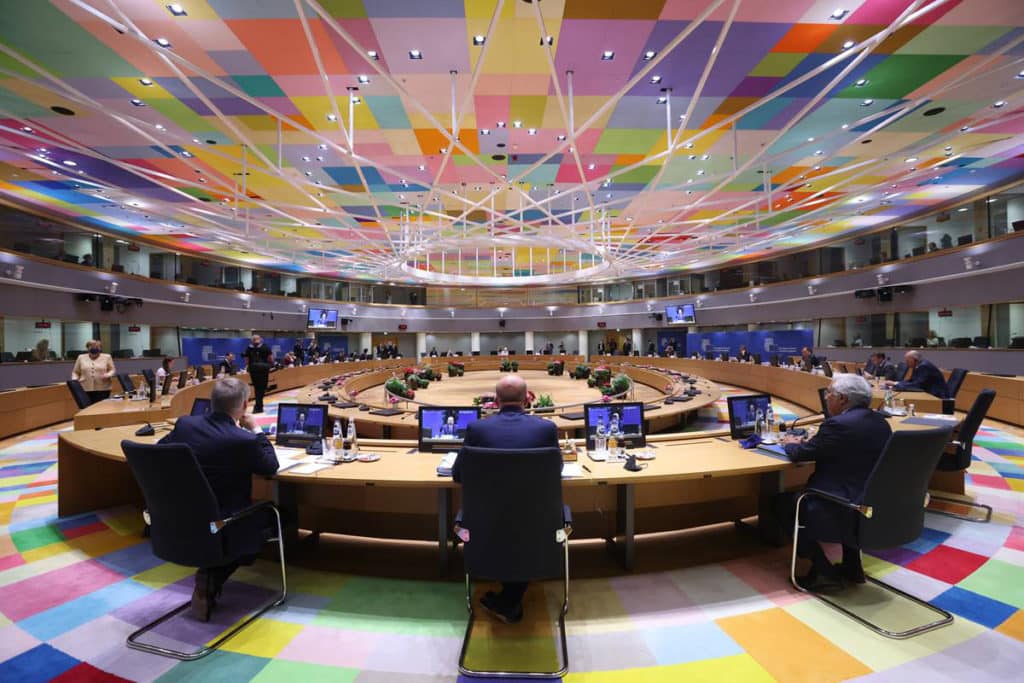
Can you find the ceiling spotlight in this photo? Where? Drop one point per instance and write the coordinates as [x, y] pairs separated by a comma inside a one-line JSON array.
[[137, 102], [861, 83], [159, 126], [867, 103], [964, 129], [26, 129], [332, 117], [591, 167], [363, 79], [322, 146], [705, 157], [547, 40], [662, 100], [176, 9], [69, 162], [838, 14], [517, 124], [819, 152], [415, 54], [372, 54], [688, 145], [848, 44], [500, 124], [962, 209], [999, 105], [479, 40], [146, 82], [655, 80], [305, 158], [1020, 76], [356, 99], [810, 139], [444, 150], [607, 56], [485, 131], [186, 153], [531, 131], [649, 55], [910, 160], [560, 138], [163, 42], [422, 167], [948, 148], [845, 126]]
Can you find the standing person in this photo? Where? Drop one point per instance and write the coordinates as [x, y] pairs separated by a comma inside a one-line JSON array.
[[164, 371], [230, 450], [627, 348], [510, 428], [297, 352], [652, 349], [844, 451], [257, 361], [94, 370], [600, 348]]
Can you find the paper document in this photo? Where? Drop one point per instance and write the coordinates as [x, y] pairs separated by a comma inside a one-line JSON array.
[[571, 470], [308, 468]]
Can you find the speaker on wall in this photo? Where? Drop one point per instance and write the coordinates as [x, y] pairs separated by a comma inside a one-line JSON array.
[[864, 294], [501, 323], [658, 317], [106, 303], [885, 293]]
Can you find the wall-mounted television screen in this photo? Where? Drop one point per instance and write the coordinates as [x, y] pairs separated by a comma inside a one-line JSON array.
[[680, 314], [322, 319]]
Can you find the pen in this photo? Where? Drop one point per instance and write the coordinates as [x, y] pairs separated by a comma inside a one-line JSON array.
[[586, 468]]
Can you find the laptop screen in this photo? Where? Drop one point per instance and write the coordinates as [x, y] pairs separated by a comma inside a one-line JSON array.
[[628, 416], [200, 406], [743, 413], [443, 428], [300, 423]]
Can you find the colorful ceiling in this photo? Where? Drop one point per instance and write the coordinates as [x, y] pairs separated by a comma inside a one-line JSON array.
[[504, 141]]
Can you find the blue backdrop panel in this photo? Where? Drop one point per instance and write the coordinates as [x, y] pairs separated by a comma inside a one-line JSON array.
[[676, 337], [332, 342], [213, 349], [784, 342]]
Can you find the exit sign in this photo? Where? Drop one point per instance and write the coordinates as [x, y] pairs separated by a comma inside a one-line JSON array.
[[402, 327], [134, 328], [42, 325], [602, 324]]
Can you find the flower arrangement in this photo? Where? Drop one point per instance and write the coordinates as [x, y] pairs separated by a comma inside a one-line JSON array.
[[544, 403], [582, 372], [456, 369], [619, 385], [556, 367], [398, 388], [508, 365]]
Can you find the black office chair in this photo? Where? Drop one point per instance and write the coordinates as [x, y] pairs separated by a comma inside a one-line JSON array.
[[123, 353], [982, 342], [824, 404], [955, 381], [757, 358], [191, 535], [957, 456], [82, 399], [531, 544], [960, 342], [1017, 343], [73, 354], [7, 357], [890, 513], [919, 342], [125, 380], [200, 373]]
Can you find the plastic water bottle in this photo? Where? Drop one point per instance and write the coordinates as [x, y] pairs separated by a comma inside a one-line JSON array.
[[350, 436], [600, 437], [759, 424], [769, 418], [888, 398], [336, 442]]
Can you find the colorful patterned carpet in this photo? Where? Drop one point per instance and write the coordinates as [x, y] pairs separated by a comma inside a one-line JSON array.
[[72, 589]]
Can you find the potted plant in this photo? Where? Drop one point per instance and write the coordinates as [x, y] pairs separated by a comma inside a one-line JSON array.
[[456, 369], [544, 404], [506, 365], [556, 367], [399, 388], [582, 372]]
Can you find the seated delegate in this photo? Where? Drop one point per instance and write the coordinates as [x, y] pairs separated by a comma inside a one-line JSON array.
[[844, 451], [808, 361], [879, 366], [924, 377]]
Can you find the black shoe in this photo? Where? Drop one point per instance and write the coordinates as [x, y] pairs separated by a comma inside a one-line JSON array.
[[852, 574], [202, 597], [506, 615], [815, 582]]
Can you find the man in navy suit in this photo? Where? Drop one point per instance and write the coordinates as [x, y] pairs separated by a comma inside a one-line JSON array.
[[511, 428], [229, 450], [844, 451], [924, 376]]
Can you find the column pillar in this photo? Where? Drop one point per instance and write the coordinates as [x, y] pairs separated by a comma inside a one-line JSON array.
[[529, 341], [421, 344], [638, 341], [583, 340], [366, 342], [474, 342]]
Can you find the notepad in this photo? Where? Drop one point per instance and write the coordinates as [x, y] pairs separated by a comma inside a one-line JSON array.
[[308, 468], [571, 470], [773, 450]]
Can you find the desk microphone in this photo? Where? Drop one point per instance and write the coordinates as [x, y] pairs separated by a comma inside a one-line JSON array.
[[792, 425], [145, 430]]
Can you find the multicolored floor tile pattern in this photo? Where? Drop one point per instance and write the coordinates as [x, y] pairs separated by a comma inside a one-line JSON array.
[[71, 590]]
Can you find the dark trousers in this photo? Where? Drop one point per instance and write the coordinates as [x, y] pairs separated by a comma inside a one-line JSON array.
[[260, 377], [95, 396], [822, 521]]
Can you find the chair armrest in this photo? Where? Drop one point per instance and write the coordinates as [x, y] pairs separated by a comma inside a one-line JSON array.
[[566, 516], [865, 510], [217, 525]]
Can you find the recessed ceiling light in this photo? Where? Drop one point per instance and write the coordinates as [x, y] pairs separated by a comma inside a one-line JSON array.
[[517, 124], [479, 40], [163, 42], [845, 126], [848, 44], [26, 129], [861, 83], [422, 167], [444, 150], [305, 158], [591, 167], [948, 148], [705, 157], [655, 80], [363, 79], [838, 14], [1020, 75], [146, 82], [309, 173], [159, 126], [910, 160], [867, 103], [688, 145], [816, 168], [547, 40], [964, 129], [500, 124], [811, 139], [560, 138], [332, 117], [819, 152], [700, 171], [607, 56], [319, 158], [138, 103], [322, 146], [356, 99], [69, 162], [999, 105], [372, 54], [176, 9], [485, 131], [692, 157], [649, 55], [531, 131], [962, 209], [662, 100], [186, 153], [415, 54]]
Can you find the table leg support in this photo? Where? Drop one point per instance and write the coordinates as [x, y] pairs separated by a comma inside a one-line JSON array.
[[625, 526], [444, 505]]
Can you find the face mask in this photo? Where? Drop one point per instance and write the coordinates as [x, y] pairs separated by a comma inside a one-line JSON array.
[[94, 352]]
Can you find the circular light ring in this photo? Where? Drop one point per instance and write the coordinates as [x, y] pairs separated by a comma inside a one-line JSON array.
[[437, 277]]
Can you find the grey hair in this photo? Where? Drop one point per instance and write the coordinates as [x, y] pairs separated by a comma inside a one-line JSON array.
[[228, 395], [855, 388], [916, 355]]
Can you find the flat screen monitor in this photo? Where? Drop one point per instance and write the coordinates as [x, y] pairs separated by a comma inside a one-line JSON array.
[[200, 406], [322, 318], [165, 388], [629, 416], [443, 428], [182, 379], [300, 424], [680, 314], [125, 380], [743, 413]]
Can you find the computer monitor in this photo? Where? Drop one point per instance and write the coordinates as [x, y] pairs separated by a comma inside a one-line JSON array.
[[165, 388], [300, 424], [200, 406], [630, 417], [150, 378], [125, 380], [443, 428], [182, 379], [200, 373], [680, 314], [827, 367], [725, 356], [322, 318], [709, 355], [743, 413]]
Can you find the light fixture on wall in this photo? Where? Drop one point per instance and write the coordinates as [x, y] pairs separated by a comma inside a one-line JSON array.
[[812, 290], [186, 296], [753, 297], [501, 311], [451, 312], [303, 307], [551, 310], [111, 287], [883, 278], [971, 262], [700, 303], [14, 272]]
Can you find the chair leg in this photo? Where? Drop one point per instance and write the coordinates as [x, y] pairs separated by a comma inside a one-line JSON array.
[[945, 617], [985, 509], [520, 674], [133, 639]]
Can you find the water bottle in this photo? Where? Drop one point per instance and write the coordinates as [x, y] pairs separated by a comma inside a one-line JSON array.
[[336, 441], [888, 398], [350, 435], [759, 424], [769, 426], [600, 437]]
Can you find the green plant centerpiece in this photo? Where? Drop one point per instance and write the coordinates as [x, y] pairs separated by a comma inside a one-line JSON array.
[[544, 404], [456, 369], [398, 387], [582, 372], [508, 365], [556, 367], [620, 384]]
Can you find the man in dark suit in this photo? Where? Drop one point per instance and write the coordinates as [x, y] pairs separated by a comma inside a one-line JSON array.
[[229, 450], [880, 366], [808, 360], [511, 428], [257, 361], [227, 366], [744, 356], [844, 451], [924, 376]]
